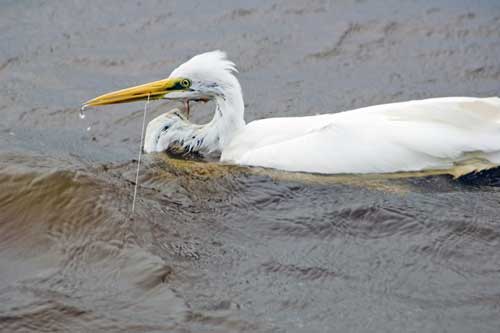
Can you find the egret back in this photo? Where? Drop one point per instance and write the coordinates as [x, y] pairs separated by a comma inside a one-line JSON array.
[[408, 136]]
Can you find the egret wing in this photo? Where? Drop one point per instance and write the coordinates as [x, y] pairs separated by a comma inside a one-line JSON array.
[[408, 136]]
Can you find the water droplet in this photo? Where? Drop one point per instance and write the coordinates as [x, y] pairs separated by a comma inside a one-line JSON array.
[[89, 128], [82, 109]]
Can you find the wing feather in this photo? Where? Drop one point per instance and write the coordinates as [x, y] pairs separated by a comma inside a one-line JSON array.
[[407, 136]]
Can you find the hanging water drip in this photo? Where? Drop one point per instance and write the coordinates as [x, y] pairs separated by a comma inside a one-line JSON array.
[[82, 111]]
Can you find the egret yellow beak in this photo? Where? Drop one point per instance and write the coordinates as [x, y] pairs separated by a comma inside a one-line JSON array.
[[152, 90]]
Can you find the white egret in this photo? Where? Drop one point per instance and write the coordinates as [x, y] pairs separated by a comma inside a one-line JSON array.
[[429, 134]]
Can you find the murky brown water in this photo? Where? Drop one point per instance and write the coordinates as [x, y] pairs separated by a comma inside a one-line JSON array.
[[216, 248]]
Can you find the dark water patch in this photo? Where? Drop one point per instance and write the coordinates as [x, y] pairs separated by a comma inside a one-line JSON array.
[[306, 273], [490, 177], [361, 222]]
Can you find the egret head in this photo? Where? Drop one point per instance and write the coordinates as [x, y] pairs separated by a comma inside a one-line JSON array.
[[204, 77], [207, 76]]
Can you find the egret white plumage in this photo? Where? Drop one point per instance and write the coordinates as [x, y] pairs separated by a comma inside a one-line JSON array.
[[429, 134]]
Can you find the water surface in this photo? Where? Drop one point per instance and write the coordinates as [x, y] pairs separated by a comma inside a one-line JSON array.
[[217, 248]]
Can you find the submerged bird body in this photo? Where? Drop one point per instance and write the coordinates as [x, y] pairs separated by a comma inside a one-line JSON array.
[[417, 135]]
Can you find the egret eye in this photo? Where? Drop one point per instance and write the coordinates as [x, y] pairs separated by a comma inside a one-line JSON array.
[[185, 83]]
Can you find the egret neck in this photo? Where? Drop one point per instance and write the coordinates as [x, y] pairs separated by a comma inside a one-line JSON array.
[[174, 129]]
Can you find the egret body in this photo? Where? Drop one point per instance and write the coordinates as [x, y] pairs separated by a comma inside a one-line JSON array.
[[430, 134]]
